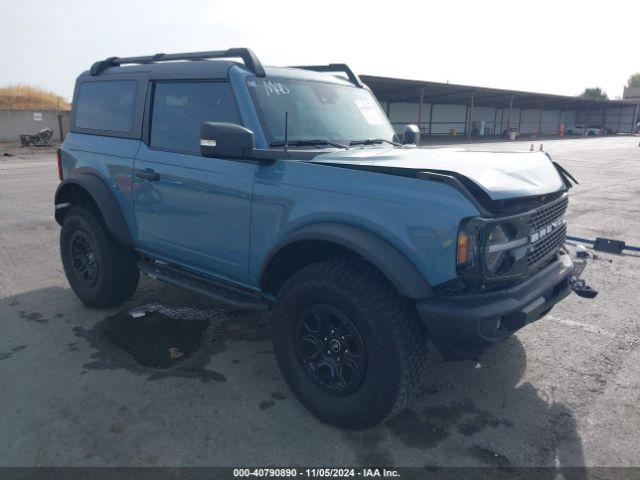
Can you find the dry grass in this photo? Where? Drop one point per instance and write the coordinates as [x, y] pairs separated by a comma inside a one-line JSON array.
[[25, 97]]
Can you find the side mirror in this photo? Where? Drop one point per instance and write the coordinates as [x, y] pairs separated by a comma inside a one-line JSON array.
[[225, 140], [411, 135]]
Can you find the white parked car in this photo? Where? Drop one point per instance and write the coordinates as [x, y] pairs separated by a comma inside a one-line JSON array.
[[580, 130]]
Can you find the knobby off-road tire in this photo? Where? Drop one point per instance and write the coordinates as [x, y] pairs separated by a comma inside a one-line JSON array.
[[382, 328], [101, 272]]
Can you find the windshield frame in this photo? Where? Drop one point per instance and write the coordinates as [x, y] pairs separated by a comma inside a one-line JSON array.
[[270, 138]]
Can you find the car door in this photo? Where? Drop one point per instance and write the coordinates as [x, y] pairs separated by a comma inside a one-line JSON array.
[[190, 209]]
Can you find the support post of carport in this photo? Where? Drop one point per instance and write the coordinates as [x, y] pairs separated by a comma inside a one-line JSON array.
[[430, 117], [636, 110], [473, 96], [420, 109], [604, 119], [562, 112], [520, 120], [586, 121], [509, 117], [620, 110], [540, 119]]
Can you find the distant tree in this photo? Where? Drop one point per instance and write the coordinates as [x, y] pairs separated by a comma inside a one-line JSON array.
[[634, 80], [596, 93]]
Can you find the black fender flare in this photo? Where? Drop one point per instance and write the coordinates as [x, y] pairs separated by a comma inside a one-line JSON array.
[[102, 195], [398, 269]]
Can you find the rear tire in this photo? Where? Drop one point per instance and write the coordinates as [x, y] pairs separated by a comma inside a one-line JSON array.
[[101, 272], [351, 349]]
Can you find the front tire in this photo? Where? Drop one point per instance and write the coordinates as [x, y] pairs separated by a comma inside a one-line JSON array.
[[101, 272], [351, 349]]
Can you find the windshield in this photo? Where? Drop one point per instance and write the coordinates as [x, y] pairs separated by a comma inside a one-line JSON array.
[[317, 110]]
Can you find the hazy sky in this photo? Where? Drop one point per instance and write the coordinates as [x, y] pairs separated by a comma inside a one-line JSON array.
[[544, 46]]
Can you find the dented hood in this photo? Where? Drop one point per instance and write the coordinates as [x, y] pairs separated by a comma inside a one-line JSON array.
[[502, 175]]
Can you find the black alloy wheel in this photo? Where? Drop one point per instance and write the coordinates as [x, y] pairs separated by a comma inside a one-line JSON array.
[[83, 258], [331, 349]]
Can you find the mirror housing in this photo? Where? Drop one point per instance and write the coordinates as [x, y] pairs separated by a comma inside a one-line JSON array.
[[411, 135], [225, 140]]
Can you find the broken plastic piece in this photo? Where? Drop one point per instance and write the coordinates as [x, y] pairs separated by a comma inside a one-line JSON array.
[[581, 288], [137, 314], [564, 173], [582, 251]]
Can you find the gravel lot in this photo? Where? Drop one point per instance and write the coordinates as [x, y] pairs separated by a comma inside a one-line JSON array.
[[562, 392]]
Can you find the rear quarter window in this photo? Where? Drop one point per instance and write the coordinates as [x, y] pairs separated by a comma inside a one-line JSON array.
[[106, 105]]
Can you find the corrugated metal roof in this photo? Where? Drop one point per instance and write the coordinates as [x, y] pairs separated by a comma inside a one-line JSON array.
[[389, 89]]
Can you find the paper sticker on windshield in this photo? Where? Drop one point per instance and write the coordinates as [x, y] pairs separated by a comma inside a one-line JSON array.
[[370, 112]]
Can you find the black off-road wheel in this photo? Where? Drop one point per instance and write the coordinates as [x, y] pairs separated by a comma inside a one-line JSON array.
[[101, 272], [351, 349]]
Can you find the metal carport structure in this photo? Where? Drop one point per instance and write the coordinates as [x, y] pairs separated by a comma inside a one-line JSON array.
[[425, 96]]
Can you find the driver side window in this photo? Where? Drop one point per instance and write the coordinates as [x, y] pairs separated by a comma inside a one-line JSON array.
[[180, 108]]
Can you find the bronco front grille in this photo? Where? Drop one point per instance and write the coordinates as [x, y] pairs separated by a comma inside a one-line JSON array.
[[547, 214], [550, 243]]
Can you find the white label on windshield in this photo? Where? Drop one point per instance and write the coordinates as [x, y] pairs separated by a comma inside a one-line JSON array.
[[369, 111]]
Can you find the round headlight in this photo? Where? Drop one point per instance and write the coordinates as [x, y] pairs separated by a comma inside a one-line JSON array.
[[494, 257]]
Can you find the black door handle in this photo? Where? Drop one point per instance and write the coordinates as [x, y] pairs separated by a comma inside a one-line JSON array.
[[148, 174]]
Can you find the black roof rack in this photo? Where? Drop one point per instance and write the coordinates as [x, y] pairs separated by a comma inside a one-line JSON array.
[[250, 59], [334, 67]]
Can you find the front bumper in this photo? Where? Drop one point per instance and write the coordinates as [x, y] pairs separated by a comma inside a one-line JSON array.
[[463, 324]]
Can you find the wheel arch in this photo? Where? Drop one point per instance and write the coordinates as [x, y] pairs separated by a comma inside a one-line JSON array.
[[89, 188], [324, 240]]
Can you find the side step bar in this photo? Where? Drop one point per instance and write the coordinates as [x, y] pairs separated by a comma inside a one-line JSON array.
[[225, 294]]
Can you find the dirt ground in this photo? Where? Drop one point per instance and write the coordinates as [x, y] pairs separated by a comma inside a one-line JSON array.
[[14, 149]]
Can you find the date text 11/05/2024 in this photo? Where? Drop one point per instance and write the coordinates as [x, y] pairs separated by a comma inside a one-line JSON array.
[[316, 472]]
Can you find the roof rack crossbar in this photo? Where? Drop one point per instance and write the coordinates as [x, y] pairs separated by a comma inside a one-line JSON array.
[[250, 59], [334, 67]]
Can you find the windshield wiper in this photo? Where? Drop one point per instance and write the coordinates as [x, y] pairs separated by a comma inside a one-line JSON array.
[[310, 142], [373, 141]]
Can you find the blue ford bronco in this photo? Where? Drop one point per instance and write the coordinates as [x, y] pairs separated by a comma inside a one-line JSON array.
[[286, 189]]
